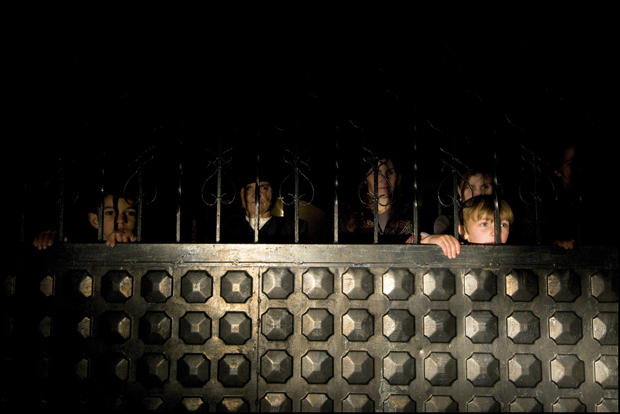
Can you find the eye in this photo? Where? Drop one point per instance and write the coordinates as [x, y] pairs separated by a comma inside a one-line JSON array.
[[132, 213], [109, 212]]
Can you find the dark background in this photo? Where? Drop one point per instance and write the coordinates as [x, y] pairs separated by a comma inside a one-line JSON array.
[[93, 91]]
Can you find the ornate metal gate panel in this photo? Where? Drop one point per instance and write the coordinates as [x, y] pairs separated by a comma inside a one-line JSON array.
[[197, 328]]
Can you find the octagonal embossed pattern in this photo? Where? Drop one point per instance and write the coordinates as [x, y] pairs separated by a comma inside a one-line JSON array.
[[156, 286], [203, 338], [196, 286]]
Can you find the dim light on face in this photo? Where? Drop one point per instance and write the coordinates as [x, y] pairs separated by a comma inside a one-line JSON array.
[[126, 219], [477, 184], [386, 180], [482, 231], [249, 199]]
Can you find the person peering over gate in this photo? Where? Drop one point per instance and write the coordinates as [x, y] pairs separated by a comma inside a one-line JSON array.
[[240, 227], [477, 220], [380, 195], [473, 183], [120, 218]]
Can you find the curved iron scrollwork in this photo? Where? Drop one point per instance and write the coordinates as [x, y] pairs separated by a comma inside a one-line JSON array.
[[218, 164], [296, 163], [375, 164], [533, 176], [456, 168], [62, 177], [138, 166]]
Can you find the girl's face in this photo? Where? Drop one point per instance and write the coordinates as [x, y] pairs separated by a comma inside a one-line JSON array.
[[479, 184], [387, 179], [482, 230]]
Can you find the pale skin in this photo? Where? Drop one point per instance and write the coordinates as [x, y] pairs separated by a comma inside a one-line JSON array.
[[482, 231], [125, 221]]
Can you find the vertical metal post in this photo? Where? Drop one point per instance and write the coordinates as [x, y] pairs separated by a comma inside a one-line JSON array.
[[218, 199], [179, 188], [257, 199], [140, 203], [579, 185], [537, 208], [455, 203], [61, 203], [336, 194], [101, 201], [496, 221], [416, 219], [375, 170], [296, 166]]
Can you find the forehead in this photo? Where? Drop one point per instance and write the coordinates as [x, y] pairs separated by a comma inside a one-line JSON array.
[[386, 164], [261, 183], [480, 214], [479, 178]]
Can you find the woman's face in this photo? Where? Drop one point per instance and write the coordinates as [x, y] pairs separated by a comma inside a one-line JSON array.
[[387, 179], [249, 199], [479, 184]]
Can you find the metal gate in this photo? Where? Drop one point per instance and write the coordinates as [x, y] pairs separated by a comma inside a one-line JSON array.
[[209, 327]]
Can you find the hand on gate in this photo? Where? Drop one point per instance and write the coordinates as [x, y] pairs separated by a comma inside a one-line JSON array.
[[120, 236], [45, 239], [449, 244]]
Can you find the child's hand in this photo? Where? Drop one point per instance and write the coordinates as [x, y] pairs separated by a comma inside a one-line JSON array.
[[566, 244], [45, 239], [449, 244], [120, 236]]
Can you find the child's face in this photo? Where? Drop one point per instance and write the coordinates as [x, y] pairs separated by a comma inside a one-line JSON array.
[[482, 230], [481, 184], [126, 218]]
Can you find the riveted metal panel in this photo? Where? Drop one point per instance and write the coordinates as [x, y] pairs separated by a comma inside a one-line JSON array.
[[190, 328]]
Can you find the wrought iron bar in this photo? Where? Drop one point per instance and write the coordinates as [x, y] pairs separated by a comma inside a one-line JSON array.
[[416, 216], [101, 201], [218, 198], [496, 223], [61, 202], [336, 167], [257, 199], [296, 163], [179, 198], [140, 204], [218, 163], [376, 199]]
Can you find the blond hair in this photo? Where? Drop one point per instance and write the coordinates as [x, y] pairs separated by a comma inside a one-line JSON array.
[[483, 206]]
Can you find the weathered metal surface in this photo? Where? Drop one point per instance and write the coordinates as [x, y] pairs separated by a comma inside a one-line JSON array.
[[190, 328]]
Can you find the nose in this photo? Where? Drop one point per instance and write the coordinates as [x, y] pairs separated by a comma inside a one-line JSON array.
[[121, 219]]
